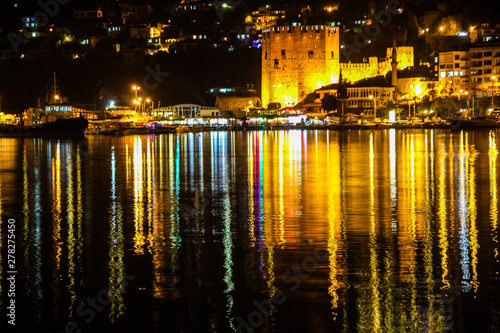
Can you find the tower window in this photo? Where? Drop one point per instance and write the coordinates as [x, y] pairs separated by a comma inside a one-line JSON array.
[[276, 63], [283, 54], [311, 54]]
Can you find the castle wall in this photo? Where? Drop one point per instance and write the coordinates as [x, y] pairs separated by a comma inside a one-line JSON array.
[[353, 72], [296, 60]]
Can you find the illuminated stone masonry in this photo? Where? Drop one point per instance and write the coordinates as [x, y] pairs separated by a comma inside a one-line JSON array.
[[296, 60], [353, 72]]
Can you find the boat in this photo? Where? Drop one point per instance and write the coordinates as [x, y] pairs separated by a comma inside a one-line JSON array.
[[133, 128], [475, 123], [132, 131], [182, 129], [60, 128], [163, 129]]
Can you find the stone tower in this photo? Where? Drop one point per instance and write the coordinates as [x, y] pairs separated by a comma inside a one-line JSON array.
[[296, 60]]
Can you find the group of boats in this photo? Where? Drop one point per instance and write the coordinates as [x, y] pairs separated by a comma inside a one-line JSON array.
[[79, 126], [133, 128]]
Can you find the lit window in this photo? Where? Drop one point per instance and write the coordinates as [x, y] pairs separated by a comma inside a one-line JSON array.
[[442, 74]]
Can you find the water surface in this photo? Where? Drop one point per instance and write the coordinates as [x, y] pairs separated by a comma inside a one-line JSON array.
[[279, 231]]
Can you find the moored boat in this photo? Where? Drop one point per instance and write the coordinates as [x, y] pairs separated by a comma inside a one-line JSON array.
[[476, 123], [61, 128]]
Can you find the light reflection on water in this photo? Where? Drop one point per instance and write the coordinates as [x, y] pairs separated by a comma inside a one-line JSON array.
[[213, 225]]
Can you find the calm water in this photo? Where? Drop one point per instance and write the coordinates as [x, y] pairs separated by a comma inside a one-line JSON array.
[[287, 231]]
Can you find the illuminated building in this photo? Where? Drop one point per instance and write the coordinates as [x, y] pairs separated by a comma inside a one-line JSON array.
[[475, 70], [416, 84], [484, 67], [187, 111], [484, 33], [369, 95], [264, 17], [296, 60], [88, 14], [453, 71]]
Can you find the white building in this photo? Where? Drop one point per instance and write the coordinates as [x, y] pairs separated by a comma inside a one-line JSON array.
[[369, 95], [186, 111]]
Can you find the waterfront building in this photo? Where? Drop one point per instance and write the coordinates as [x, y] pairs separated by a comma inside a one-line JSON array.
[[367, 96], [186, 111], [416, 84], [474, 71], [453, 72]]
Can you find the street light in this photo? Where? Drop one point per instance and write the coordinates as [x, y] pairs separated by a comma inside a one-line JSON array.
[[140, 105], [374, 106], [135, 88], [152, 104]]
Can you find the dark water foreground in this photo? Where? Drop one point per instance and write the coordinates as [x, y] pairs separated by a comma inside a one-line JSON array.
[[287, 231]]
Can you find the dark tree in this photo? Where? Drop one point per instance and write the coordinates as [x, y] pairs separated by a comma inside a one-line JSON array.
[[329, 103]]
